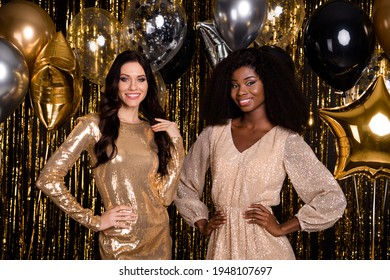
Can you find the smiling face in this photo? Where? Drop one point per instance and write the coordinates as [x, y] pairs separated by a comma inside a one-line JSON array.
[[132, 86], [247, 90]]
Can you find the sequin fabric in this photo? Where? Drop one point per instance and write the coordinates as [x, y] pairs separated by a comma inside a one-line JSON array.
[[256, 175], [131, 178]]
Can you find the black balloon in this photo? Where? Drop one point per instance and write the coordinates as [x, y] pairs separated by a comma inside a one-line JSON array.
[[339, 42], [179, 64]]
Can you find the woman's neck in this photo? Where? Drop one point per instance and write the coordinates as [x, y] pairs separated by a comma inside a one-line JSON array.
[[128, 115], [254, 120]]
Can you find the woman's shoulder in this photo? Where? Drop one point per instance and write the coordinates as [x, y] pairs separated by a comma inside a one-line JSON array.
[[215, 129], [285, 131], [291, 139], [91, 118], [287, 135], [90, 122]]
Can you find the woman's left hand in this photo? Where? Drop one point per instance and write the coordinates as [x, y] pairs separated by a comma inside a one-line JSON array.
[[168, 126], [260, 215]]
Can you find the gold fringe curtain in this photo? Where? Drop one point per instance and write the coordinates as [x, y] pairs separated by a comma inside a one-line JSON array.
[[32, 227]]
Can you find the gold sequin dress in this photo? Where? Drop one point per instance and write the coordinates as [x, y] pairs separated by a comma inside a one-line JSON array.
[[129, 179], [256, 175]]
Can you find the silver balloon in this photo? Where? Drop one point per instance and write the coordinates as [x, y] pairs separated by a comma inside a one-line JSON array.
[[155, 27], [214, 46], [379, 65], [14, 78], [239, 22]]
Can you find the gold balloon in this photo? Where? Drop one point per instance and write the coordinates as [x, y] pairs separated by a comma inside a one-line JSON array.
[[381, 23], [362, 129], [56, 83], [27, 26], [284, 20], [95, 35], [162, 89]]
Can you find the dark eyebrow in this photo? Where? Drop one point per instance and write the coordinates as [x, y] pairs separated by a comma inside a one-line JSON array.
[[139, 76], [246, 78]]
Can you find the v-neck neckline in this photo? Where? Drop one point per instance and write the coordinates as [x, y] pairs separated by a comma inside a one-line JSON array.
[[250, 147]]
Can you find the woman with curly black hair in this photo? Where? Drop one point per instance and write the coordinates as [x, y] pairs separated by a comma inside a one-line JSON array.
[[136, 155], [255, 113]]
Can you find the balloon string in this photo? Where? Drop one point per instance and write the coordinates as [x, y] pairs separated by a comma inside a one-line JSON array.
[[348, 96], [385, 196], [357, 198], [38, 202], [1, 150], [373, 223], [344, 96]]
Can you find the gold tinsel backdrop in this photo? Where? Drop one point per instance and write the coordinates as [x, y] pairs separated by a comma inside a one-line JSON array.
[[32, 227]]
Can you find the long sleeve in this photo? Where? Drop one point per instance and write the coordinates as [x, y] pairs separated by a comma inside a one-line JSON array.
[[51, 179], [324, 200], [167, 186], [192, 180]]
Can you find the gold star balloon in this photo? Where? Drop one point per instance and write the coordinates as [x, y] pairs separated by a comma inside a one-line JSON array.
[[56, 83], [362, 129]]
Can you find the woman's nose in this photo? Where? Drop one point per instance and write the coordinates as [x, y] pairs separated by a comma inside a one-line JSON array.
[[132, 84], [242, 91]]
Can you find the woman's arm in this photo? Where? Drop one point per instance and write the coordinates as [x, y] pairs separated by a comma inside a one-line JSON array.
[[167, 185], [192, 180], [324, 199], [51, 178]]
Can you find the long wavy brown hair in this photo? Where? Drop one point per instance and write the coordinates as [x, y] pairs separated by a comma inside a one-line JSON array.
[[110, 104]]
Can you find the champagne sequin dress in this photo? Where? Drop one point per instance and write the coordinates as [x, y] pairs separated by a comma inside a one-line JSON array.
[[256, 175], [129, 179]]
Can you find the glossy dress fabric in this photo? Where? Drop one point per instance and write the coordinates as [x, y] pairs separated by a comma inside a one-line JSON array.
[[256, 175], [129, 179]]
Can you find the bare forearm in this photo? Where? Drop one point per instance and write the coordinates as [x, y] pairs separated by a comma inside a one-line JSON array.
[[206, 227], [201, 225], [260, 215], [290, 226]]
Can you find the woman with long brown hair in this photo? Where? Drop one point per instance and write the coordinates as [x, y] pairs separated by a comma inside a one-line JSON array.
[[136, 156]]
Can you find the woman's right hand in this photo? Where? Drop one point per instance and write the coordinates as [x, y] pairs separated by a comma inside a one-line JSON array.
[[120, 216], [206, 227], [167, 126]]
